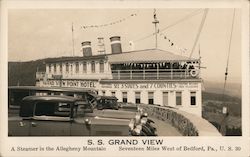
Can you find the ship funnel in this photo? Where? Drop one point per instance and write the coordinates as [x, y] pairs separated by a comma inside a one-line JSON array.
[[86, 48], [116, 46], [101, 46]]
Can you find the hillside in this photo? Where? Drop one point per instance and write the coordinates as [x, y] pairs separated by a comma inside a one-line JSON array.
[[232, 89], [24, 73]]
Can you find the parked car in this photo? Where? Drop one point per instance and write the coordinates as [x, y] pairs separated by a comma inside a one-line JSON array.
[[107, 102], [69, 116], [124, 110]]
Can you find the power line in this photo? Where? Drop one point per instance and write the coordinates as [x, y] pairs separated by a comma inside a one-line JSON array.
[[198, 11], [199, 31], [193, 13], [229, 50]]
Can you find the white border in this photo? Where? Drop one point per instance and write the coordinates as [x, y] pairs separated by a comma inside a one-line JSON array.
[[6, 142]]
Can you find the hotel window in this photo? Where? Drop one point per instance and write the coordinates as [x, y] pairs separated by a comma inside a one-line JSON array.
[[113, 93], [137, 97], [77, 67], [60, 68], [49, 68], [124, 97], [54, 68], [84, 67], [103, 93], [178, 98], [101, 66], [193, 98], [93, 67], [150, 97], [71, 68], [165, 98], [67, 67]]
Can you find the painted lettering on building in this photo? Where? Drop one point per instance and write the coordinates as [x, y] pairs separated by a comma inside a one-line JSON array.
[[155, 85], [71, 83]]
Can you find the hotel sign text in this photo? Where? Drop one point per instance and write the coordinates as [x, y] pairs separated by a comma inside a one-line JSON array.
[[71, 83]]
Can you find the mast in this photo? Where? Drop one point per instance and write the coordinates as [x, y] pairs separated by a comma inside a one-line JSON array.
[[73, 43], [155, 22]]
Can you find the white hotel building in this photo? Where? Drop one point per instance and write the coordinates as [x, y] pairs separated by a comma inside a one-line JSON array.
[[150, 76]]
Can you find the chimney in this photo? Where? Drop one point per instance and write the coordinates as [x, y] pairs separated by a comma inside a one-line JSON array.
[[86, 48], [101, 46], [116, 46]]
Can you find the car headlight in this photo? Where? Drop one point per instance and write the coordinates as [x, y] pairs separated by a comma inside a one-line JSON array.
[[137, 118], [145, 115], [144, 120], [138, 129], [131, 124], [140, 110]]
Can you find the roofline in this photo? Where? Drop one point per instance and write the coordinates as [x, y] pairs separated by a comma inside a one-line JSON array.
[[152, 61], [148, 50], [70, 58], [80, 58], [51, 98], [199, 80], [59, 89]]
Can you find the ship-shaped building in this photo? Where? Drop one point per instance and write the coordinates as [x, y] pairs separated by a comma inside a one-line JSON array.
[[150, 76]]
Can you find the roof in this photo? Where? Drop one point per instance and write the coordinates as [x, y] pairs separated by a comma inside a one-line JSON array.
[[148, 55], [55, 89], [76, 58], [51, 98]]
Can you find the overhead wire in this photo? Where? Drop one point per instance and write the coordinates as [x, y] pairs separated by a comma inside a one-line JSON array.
[[199, 31], [193, 13], [229, 50]]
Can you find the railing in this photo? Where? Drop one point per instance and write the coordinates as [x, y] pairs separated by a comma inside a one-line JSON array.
[[187, 124], [154, 74]]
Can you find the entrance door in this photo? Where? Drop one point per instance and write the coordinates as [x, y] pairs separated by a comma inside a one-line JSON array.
[[165, 98]]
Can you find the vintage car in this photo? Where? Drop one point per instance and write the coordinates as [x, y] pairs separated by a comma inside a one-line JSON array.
[[107, 102], [124, 110], [69, 116]]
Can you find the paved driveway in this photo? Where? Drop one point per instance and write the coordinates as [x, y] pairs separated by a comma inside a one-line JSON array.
[[165, 129]]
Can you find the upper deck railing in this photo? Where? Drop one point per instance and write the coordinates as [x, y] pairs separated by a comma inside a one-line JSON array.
[[144, 74], [155, 74]]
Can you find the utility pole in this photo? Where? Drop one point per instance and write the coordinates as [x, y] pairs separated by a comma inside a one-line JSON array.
[[155, 22]]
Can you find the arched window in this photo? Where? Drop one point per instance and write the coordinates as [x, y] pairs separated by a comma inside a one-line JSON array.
[[101, 66], [77, 67], [84, 67], [93, 66], [49, 68], [54, 68], [61, 68], [67, 67]]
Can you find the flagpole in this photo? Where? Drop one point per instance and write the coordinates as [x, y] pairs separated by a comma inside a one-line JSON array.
[[73, 43], [155, 22]]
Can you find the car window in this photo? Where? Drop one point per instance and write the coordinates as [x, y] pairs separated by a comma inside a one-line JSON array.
[[26, 109], [52, 109]]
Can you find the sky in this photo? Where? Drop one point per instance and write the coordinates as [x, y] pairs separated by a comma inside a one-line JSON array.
[[42, 33]]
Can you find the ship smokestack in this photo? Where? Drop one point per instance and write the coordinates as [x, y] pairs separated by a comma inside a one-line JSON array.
[[101, 46], [116, 46], [86, 48]]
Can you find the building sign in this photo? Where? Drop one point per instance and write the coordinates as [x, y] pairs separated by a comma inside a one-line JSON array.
[[71, 83], [158, 85]]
